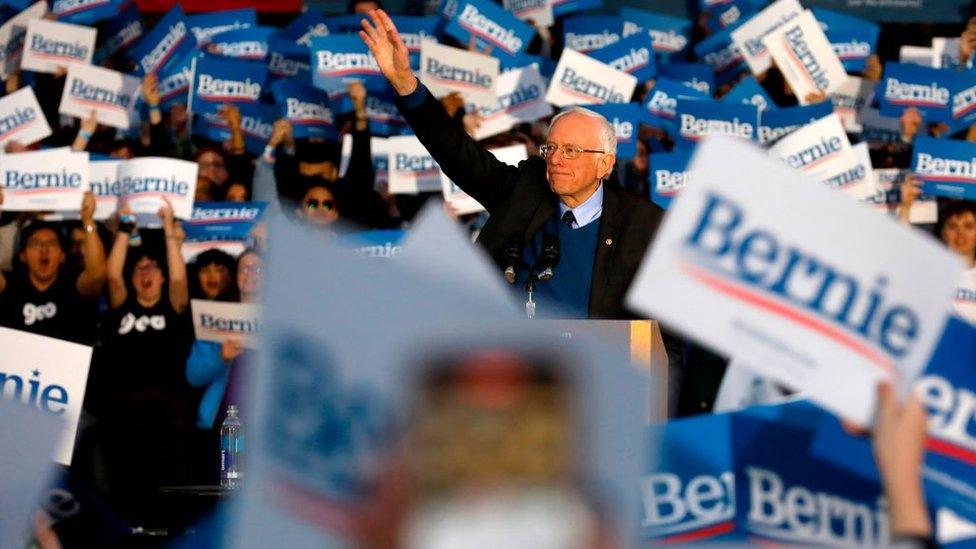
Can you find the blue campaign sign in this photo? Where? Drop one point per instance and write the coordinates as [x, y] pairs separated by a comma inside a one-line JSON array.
[[905, 85], [750, 92], [287, 58], [729, 14], [257, 121], [671, 36], [169, 39], [414, 31], [669, 174], [565, 7], [174, 82], [963, 101], [345, 24], [306, 107], [546, 66], [305, 27], [249, 43], [375, 244], [853, 46], [699, 118], [662, 102], [774, 124], [384, 118], [624, 118], [834, 20], [220, 80], [205, 25], [722, 55], [585, 33], [697, 75], [222, 220], [81, 12], [633, 55], [118, 33], [489, 25], [946, 167], [343, 58]]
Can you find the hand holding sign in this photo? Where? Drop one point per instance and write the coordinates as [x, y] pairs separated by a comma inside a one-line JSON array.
[[391, 54]]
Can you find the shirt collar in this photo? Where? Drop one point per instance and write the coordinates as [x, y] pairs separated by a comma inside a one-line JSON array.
[[587, 212]]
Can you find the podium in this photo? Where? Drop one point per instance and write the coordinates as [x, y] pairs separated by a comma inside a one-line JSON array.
[[639, 339]]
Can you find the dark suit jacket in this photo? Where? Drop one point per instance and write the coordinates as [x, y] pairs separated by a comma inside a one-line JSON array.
[[520, 201]]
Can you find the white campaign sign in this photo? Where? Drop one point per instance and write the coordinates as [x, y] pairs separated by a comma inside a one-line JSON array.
[[864, 184], [220, 320], [444, 69], [805, 57], [103, 180], [916, 55], [412, 169], [12, 35], [521, 98], [460, 201], [760, 262], [22, 119], [48, 374], [581, 80], [111, 94], [44, 180], [819, 149], [50, 46], [749, 36], [144, 182], [849, 99]]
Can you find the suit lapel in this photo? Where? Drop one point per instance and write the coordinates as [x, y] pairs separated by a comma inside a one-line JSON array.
[[605, 246], [545, 210]]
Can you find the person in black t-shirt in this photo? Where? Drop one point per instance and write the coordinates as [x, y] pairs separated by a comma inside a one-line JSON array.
[[48, 297]]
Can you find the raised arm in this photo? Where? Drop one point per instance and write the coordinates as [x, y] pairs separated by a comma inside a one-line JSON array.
[[91, 281], [117, 292], [179, 289]]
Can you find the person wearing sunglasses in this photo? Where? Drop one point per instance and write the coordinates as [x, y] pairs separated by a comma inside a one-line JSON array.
[[318, 205]]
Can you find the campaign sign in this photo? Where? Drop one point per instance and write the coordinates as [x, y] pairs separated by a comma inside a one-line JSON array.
[[384, 118], [380, 158], [12, 34], [582, 80], [85, 12], [632, 55], [219, 80], [145, 181], [723, 55], [222, 220], [491, 26], [415, 31], [853, 46], [924, 88], [459, 201], [344, 58], [304, 28], [257, 123], [819, 149], [729, 13], [697, 75], [249, 43], [624, 118], [849, 99], [50, 46], [662, 102], [670, 36], [112, 95], [286, 58], [21, 118], [585, 33], [444, 69], [206, 25], [169, 39], [174, 82], [887, 198], [857, 178], [521, 98], [384, 243], [44, 180], [412, 169], [565, 7], [537, 13], [119, 33], [307, 108], [103, 182], [749, 36], [774, 124], [945, 53], [946, 167], [219, 321], [820, 308], [965, 305], [699, 118], [805, 57], [750, 92], [48, 374], [669, 174], [963, 102]]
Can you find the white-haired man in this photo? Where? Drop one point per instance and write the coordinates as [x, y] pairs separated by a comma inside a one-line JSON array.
[[558, 200]]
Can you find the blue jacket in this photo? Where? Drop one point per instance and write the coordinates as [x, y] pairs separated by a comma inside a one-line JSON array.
[[205, 368]]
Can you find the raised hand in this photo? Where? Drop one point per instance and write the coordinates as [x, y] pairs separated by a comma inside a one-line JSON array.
[[88, 207], [386, 45]]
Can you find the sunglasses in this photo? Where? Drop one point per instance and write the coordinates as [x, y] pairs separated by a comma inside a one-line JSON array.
[[327, 205]]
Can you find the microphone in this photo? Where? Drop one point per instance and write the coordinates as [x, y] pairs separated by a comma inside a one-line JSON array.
[[549, 258], [512, 255]]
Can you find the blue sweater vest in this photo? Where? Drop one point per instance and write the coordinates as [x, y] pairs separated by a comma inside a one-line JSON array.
[[567, 294]]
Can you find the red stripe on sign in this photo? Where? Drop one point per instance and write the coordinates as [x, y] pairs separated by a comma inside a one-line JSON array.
[[950, 450], [751, 297], [99, 104], [457, 84], [950, 178], [799, 66], [821, 160], [916, 102], [579, 94], [696, 535], [8, 133]]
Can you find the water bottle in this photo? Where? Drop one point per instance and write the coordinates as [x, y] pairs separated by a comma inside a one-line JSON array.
[[231, 450]]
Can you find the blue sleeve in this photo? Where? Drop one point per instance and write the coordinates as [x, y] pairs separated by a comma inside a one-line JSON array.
[[416, 97], [204, 363]]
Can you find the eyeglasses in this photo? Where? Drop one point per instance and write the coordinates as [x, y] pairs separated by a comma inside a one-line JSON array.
[[569, 151], [327, 205], [252, 270]]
